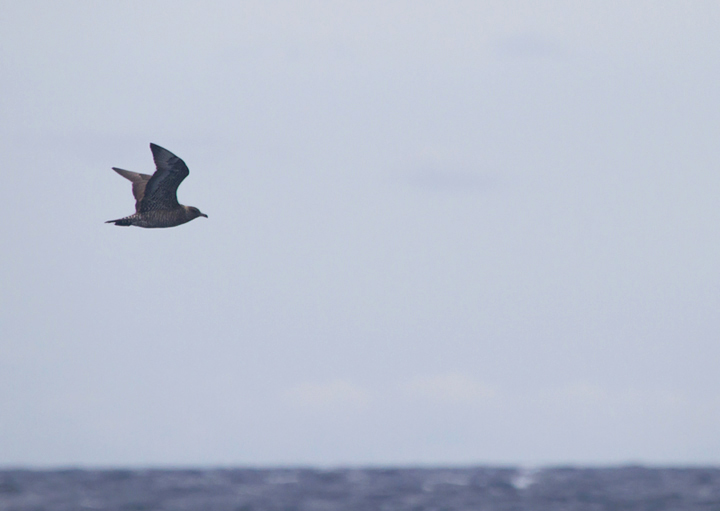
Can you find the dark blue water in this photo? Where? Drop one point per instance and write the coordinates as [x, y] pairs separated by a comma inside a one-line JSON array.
[[485, 489]]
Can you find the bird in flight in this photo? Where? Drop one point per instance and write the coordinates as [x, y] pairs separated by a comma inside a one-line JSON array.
[[156, 203]]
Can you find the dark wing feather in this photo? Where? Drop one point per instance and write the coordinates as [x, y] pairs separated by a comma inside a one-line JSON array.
[[139, 181], [161, 189]]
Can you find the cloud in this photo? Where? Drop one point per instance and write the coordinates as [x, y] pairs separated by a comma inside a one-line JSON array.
[[452, 388], [528, 47], [449, 179], [329, 394], [587, 395]]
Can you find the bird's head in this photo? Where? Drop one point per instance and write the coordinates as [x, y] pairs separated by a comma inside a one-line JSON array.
[[194, 212]]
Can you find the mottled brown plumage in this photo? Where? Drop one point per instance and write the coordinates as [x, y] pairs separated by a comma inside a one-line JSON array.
[[156, 203]]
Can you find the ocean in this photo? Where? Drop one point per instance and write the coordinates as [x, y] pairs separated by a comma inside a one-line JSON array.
[[354, 489]]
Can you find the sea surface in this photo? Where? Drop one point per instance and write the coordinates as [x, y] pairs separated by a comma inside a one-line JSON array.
[[417, 489]]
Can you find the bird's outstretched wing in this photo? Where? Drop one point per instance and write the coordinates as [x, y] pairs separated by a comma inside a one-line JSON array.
[[161, 188], [139, 182]]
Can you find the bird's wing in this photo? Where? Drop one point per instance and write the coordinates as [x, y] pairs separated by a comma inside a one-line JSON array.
[[161, 189], [139, 182]]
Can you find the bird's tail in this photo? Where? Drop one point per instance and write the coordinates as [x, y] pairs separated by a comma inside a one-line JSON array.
[[121, 221]]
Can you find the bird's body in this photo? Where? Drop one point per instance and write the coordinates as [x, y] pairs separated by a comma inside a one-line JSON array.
[[156, 203]]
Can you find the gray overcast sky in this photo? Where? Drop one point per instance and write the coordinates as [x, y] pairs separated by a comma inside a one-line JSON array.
[[439, 232]]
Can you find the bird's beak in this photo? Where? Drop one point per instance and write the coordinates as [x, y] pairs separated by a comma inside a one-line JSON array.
[[203, 214]]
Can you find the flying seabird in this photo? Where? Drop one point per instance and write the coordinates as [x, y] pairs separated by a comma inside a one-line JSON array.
[[156, 196]]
